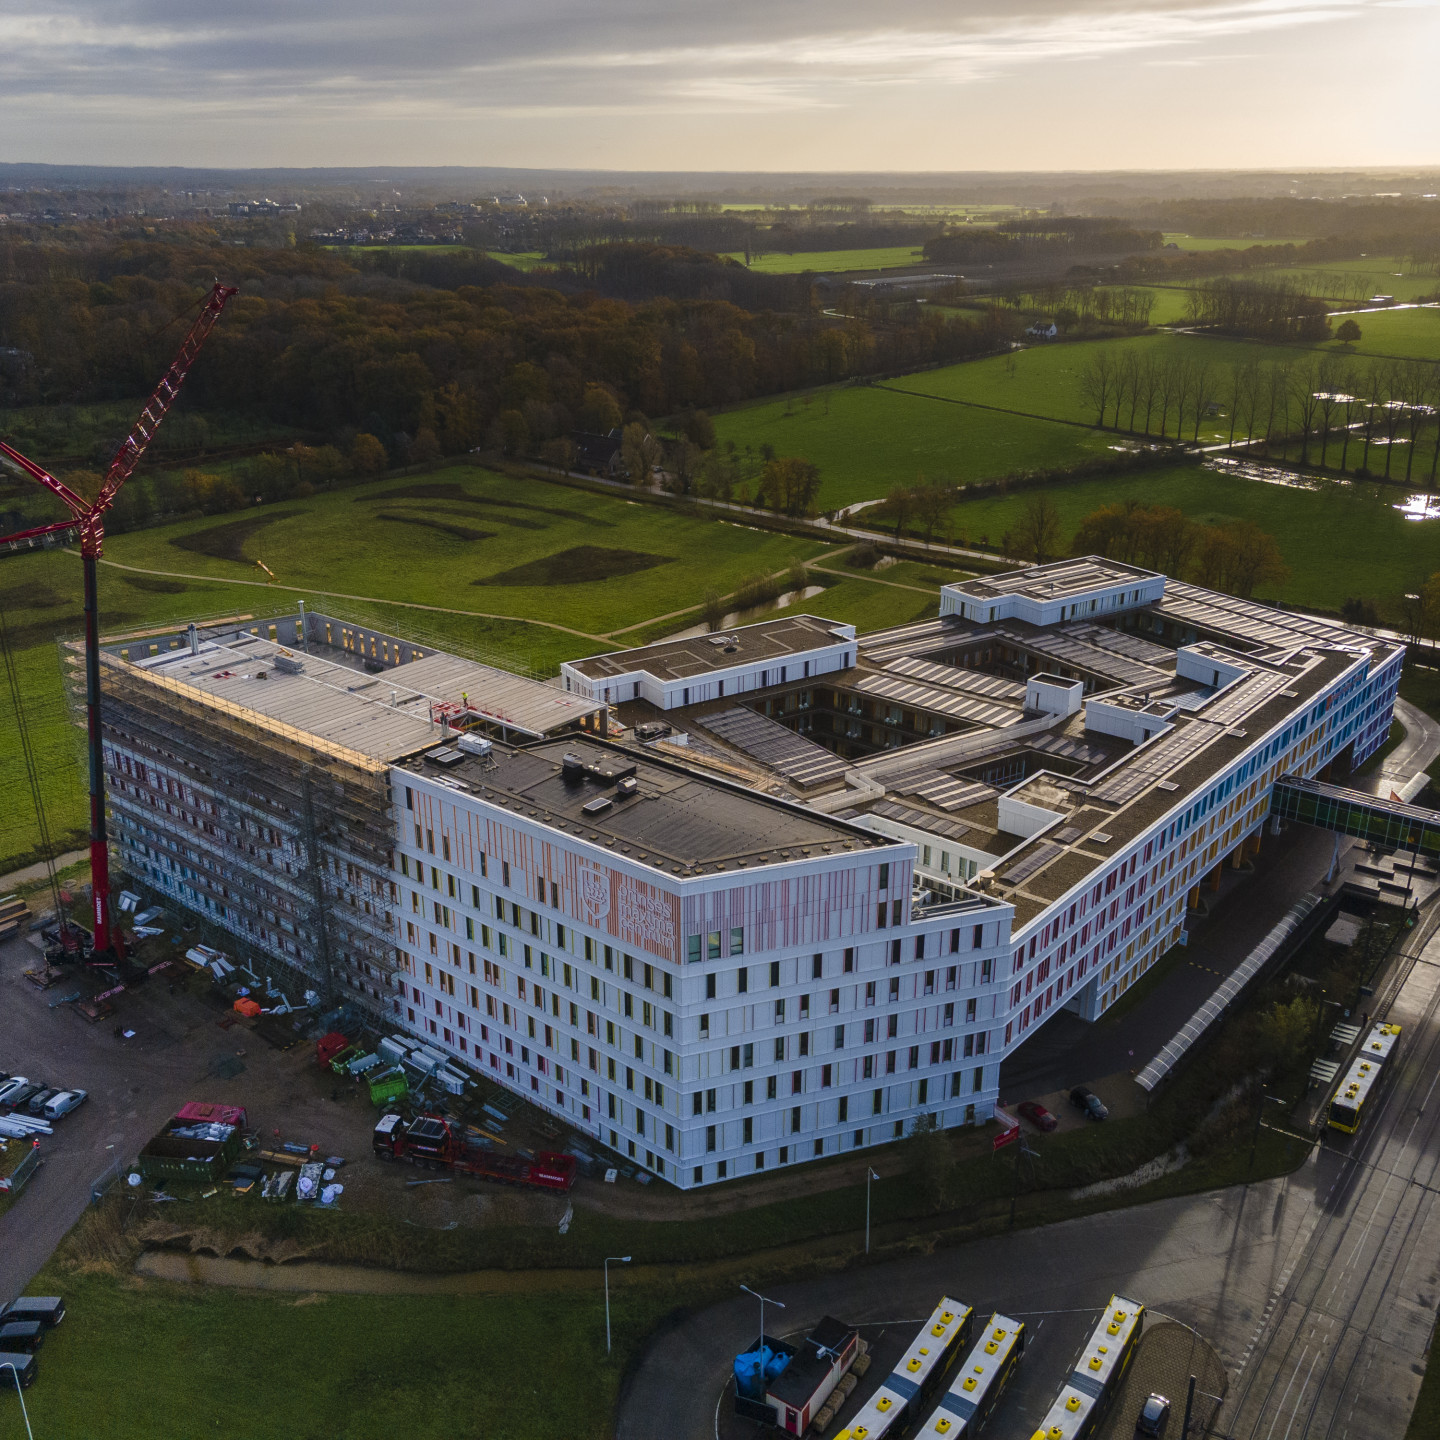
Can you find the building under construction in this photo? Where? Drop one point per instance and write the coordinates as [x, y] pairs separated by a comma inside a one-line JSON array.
[[247, 768]]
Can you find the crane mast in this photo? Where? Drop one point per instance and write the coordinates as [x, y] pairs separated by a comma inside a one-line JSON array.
[[87, 522]]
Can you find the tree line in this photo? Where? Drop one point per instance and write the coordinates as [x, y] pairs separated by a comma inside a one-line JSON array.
[[1306, 409], [1237, 557]]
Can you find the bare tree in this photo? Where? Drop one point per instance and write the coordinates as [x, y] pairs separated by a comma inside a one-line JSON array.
[[1038, 534], [1097, 383]]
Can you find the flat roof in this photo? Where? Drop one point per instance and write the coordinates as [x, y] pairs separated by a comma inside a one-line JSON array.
[[381, 716], [678, 820], [1055, 581], [725, 650]]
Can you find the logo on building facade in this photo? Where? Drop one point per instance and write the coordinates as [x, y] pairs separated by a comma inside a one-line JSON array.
[[593, 887]]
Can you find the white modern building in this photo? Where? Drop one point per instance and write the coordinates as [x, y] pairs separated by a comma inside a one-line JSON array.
[[852, 874]]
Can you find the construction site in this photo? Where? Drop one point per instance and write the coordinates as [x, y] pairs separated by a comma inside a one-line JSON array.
[[248, 772]]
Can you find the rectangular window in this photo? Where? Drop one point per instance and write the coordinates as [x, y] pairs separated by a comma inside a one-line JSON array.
[[749, 1092], [949, 1017], [709, 1138], [979, 1081], [969, 1011], [747, 1131], [914, 1056], [692, 948], [775, 975], [795, 1120], [742, 981], [849, 965], [839, 1037], [712, 945], [825, 1072], [737, 939]]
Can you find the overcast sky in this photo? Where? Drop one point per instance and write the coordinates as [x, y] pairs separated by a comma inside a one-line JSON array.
[[748, 84]]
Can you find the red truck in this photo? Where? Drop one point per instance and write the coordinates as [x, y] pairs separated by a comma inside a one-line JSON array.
[[433, 1143]]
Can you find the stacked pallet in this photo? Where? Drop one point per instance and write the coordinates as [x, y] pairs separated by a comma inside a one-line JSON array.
[[14, 915]]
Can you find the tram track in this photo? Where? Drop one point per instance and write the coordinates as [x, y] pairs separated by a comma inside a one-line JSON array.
[[1304, 1337]]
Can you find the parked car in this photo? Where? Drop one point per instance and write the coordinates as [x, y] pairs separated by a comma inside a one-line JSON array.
[[12, 1086], [38, 1101], [28, 1335], [1089, 1102], [16, 1368], [19, 1098], [1037, 1115], [1154, 1416], [47, 1309], [63, 1102]]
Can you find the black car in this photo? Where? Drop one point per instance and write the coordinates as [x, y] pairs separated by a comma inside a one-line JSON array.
[[28, 1335], [17, 1367], [1089, 1102], [1154, 1416], [49, 1310]]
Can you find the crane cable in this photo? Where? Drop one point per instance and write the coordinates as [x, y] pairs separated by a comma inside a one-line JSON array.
[[32, 771]]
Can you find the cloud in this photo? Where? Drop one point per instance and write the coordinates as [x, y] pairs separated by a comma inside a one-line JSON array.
[[559, 57]]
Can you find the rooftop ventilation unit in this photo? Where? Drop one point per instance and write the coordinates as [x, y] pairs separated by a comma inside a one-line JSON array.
[[473, 745], [597, 807], [627, 787]]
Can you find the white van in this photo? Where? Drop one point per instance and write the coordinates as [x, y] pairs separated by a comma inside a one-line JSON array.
[[64, 1103]]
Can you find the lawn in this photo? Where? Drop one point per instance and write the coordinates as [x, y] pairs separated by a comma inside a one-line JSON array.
[[1338, 540], [146, 1360], [867, 440], [887, 257], [463, 539]]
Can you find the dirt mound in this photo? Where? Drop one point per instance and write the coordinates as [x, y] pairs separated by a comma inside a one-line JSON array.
[[160, 1234], [577, 566]]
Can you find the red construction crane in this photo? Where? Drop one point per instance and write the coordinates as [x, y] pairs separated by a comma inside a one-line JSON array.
[[86, 521]]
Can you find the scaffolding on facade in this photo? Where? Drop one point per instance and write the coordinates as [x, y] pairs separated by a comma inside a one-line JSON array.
[[283, 839]]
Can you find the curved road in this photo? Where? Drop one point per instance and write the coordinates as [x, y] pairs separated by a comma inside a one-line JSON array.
[[1318, 1290]]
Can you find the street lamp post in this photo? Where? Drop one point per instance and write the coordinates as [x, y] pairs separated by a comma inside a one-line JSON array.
[[869, 1176], [619, 1260], [1255, 1134], [762, 1299], [10, 1366]]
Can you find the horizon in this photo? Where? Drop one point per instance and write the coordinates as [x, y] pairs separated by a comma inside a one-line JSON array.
[[1075, 86]]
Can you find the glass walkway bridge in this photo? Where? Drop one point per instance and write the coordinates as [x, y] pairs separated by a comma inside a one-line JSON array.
[[1391, 824]]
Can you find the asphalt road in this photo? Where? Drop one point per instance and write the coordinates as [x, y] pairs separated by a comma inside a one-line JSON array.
[[1317, 1290]]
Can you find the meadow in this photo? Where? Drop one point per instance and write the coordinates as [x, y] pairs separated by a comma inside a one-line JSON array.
[[1225, 242], [1339, 540], [1407, 334], [887, 257], [867, 439]]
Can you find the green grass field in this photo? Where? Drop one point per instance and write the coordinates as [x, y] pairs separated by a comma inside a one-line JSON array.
[[1045, 379], [146, 1360], [887, 257], [1410, 334], [1221, 242], [1339, 541], [1383, 274], [866, 440]]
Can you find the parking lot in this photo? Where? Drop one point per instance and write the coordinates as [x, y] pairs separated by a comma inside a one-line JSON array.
[[188, 1045]]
